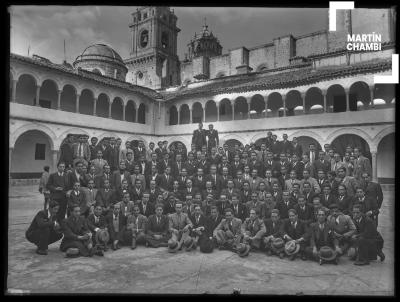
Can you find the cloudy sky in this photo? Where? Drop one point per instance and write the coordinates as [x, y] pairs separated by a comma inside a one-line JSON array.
[[44, 28]]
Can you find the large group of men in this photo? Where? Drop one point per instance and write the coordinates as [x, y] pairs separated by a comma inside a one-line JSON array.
[[274, 198]]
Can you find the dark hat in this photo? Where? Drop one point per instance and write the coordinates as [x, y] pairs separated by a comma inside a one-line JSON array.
[[327, 253], [333, 206], [206, 245], [102, 236], [291, 247], [172, 246], [72, 252], [278, 244], [188, 243], [243, 250]]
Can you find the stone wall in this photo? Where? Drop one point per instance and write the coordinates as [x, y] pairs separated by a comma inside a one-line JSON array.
[[107, 69], [312, 44], [219, 65]]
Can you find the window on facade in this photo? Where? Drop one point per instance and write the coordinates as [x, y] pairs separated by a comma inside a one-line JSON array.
[[40, 152]]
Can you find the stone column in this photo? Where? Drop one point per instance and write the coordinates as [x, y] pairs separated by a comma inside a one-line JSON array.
[[123, 112], [324, 93], [374, 166], [137, 115], [179, 115], [303, 100], [204, 113], [54, 154], [10, 151], [266, 105], [59, 99], [95, 106], [109, 109], [248, 108], [14, 91], [37, 95], [347, 92], [371, 92], [233, 111], [191, 115], [77, 103], [218, 112], [284, 104]]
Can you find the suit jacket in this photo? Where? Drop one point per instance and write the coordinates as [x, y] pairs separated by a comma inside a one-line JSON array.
[[199, 184], [87, 178], [89, 198], [369, 204], [245, 197], [298, 167], [66, 154], [136, 223], [175, 169], [212, 224], [199, 138], [314, 185], [99, 180], [289, 184], [169, 208], [306, 214], [130, 165], [150, 210], [256, 228], [205, 165], [275, 147], [222, 206], [41, 221], [345, 226], [111, 156], [286, 147], [76, 198], [366, 228], [182, 181], [235, 227], [271, 229], [162, 165], [116, 179], [254, 183], [213, 138], [283, 209], [163, 183], [229, 193], [92, 225], [241, 211], [57, 181], [147, 168], [161, 228], [98, 165], [178, 223], [141, 178], [119, 193], [344, 204], [191, 167], [192, 192], [114, 234], [138, 153], [72, 228], [361, 165], [105, 198], [136, 195], [153, 196], [336, 165], [331, 199], [324, 237], [72, 178], [216, 182], [205, 193], [257, 165], [351, 185], [201, 223], [260, 207], [374, 191], [298, 150], [85, 149], [294, 233]]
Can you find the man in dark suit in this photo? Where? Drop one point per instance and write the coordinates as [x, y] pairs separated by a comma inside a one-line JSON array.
[[154, 191], [66, 152], [327, 198], [116, 225], [157, 231], [304, 211], [296, 149], [245, 193], [236, 166], [146, 208], [76, 175], [199, 137], [238, 209], [96, 222], [285, 205], [286, 146], [140, 150], [44, 228], [58, 186], [165, 180], [189, 190], [112, 154], [273, 228], [177, 165], [99, 179], [199, 224], [297, 166], [199, 181], [119, 175], [294, 229], [93, 147], [203, 163], [214, 178], [373, 190], [213, 138], [225, 178], [275, 146], [182, 151], [367, 240], [106, 196], [164, 163], [213, 221], [144, 166], [137, 191], [368, 206], [223, 203]]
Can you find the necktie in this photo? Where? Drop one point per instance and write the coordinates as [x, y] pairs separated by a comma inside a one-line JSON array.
[[144, 209], [197, 219], [80, 150], [158, 220], [96, 219]]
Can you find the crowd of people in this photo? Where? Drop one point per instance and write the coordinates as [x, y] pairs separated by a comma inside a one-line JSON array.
[[276, 198]]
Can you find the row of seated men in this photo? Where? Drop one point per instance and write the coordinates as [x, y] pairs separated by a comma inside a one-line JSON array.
[[325, 240]]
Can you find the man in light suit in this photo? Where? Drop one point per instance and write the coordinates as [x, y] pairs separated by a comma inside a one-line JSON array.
[[290, 182], [120, 175], [123, 152], [349, 182], [98, 163], [179, 223], [337, 162], [89, 194], [361, 164], [199, 137], [312, 181], [229, 231], [81, 150], [136, 175], [253, 229], [135, 228]]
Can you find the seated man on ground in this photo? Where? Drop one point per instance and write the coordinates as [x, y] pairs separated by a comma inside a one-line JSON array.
[[253, 229], [179, 226], [157, 232], [295, 230], [97, 224], [45, 229], [273, 231], [199, 221], [228, 232], [116, 225], [135, 228]]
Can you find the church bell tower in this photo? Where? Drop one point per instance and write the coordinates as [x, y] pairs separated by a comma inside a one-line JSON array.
[[153, 60]]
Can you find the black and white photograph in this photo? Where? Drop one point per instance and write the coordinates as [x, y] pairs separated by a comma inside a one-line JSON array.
[[202, 150]]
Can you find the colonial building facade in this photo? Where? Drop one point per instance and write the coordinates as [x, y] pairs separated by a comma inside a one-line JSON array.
[[309, 87]]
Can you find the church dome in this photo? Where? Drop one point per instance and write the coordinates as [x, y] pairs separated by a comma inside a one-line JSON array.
[[102, 59]]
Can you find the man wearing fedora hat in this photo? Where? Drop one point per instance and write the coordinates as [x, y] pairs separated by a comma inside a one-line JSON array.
[[296, 231], [157, 231], [77, 234], [97, 223], [228, 232], [323, 236], [273, 228], [343, 227], [45, 229], [135, 227], [253, 229], [179, 226]]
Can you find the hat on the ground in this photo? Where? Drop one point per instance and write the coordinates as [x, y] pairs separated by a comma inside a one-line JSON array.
[[188, 243], [327, 253], [72, 252], [277, 244], [243, 249], [291, 247], [102, 236], [172, 246], [206, 245]]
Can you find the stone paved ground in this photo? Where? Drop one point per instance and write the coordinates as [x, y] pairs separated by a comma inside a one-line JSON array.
[[147, 270]]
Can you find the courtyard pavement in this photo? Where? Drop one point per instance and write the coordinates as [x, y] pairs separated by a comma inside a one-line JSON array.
[[155, 271]]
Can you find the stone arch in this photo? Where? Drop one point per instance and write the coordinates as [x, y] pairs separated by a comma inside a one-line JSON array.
[[34, 126], [26, 89], [309, 133], [313, 97], [68, 98], [184, 114], [142, 113], [258, 137], [130, 111], [117, 108], [385, 91], [186, 143], [173, 115], [275, 102], [381, 134], [210, 111], [225, 110], [341, 141], [359, 92], [336, 98], [48, 94], [241, 108], [231, 143], [293, 100], [257, 106], [232, 136], [175, 142], [197, 112], [105, 135], [342, 131], [103, 103], [86, 102], [32, 151], [386, 158]]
